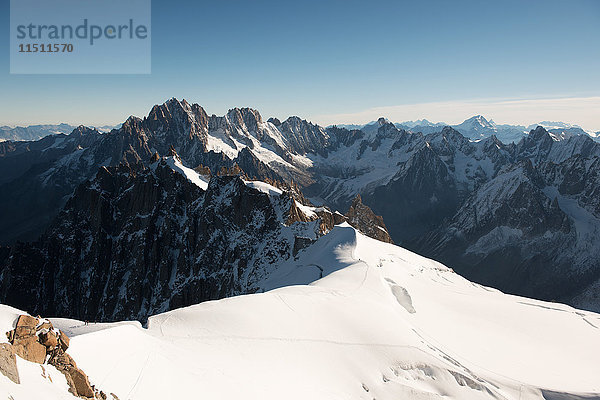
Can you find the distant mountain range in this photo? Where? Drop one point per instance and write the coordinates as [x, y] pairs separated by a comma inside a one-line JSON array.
[[36, 132], [522, 217], [478, 127], [474, 128], [33, 132]]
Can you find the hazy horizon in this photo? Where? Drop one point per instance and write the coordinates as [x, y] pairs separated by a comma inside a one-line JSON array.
[[565, 110], [343, 62]]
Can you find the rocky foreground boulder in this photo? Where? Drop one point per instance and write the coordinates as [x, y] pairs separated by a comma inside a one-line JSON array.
[[36, 340], [8, 363]]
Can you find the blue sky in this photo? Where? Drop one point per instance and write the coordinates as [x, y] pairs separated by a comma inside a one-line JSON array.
[[340, 61]]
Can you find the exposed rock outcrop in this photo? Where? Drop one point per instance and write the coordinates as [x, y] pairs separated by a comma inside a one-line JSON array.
[[8, 362], [36, 340], [364, 219], [25, 341]]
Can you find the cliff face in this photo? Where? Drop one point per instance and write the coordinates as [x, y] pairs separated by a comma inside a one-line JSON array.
[[364, 219]]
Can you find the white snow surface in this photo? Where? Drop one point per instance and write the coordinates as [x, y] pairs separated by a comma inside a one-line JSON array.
[[37, 381], [191, 175], [383, 323], [264, 187]]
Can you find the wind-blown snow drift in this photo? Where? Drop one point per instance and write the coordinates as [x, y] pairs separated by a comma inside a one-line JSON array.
[[384, 324]]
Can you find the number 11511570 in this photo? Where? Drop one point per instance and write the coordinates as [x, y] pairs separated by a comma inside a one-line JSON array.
[[46, 48]]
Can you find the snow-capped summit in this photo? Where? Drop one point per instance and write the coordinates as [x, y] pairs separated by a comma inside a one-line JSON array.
[[419, 123], [32, 132], [476, 127], [372, 127], [561, 130], [552, 125], [481, 121], [382, 120]]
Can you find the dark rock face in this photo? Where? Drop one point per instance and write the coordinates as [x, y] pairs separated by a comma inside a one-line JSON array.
[[139, 240], [418, 197], [254, 168], [364, 219], [274, 121], [303, 136], [33, 188], [522, 233], [344, 137]]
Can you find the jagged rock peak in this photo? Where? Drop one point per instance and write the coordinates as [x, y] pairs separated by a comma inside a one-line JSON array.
[[304, 136], [538, 133], [173, 153], [494, 139], [274, 121], [294, 120], [448, 130], [248, 117], [175, 111], [82, 130], [453, 136], [382, 121], [155, 158], [130, 122], [361, 217]]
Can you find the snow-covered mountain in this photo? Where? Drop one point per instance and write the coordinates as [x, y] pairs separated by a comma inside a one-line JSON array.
[[351, 126], [33, 132], [419, 123], [37, 132], [401, 125], [562, 130], [478, 127], [382, 323], [423, 185], [36, 179]]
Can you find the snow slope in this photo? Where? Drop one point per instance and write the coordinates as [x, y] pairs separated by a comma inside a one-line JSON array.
[[384, 323], [191, 175]]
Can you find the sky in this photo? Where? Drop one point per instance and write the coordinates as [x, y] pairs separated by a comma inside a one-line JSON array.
[[341, 62]]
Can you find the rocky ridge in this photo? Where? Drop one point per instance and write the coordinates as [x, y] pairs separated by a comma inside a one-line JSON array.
[[37, 341]]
